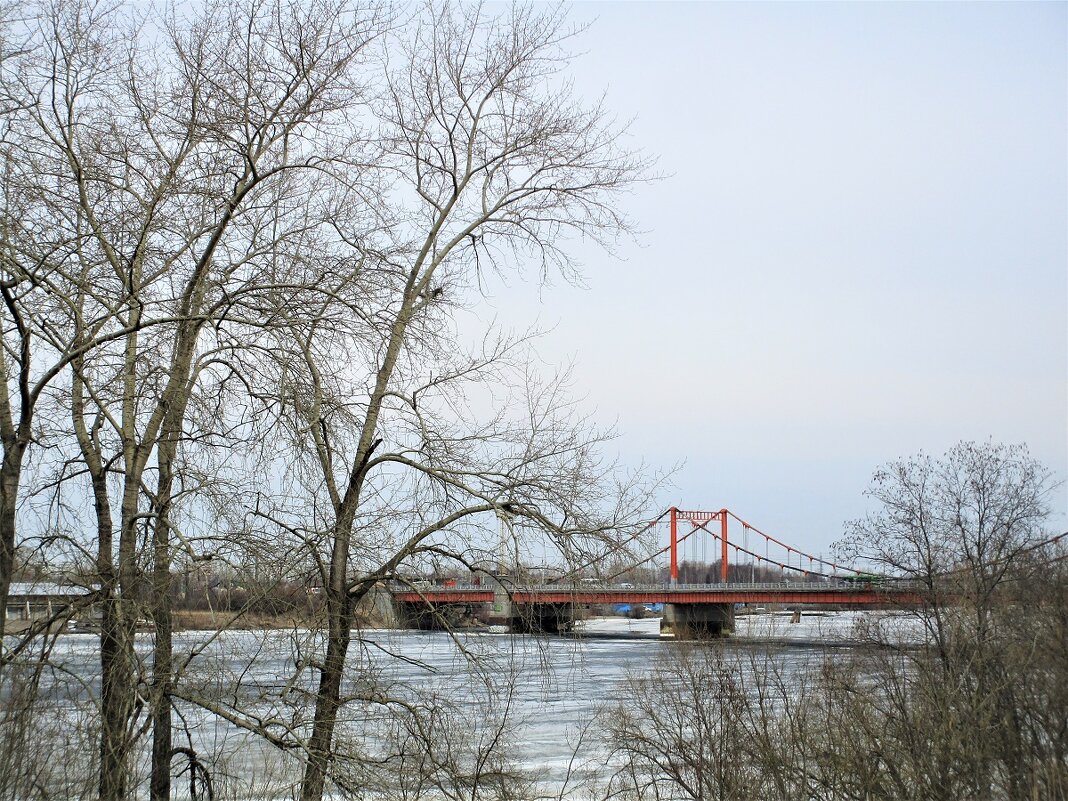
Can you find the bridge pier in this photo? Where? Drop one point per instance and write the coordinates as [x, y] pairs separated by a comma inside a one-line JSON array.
[[427, 616], [501, 611], [697, 621], [553, 618], [531, 618]]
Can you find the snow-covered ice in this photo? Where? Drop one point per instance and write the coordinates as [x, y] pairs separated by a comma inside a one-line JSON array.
[[853, 627], [605, 626]]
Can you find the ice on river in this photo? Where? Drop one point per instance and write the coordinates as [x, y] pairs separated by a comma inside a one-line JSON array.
[[830, 628], [826, 628], [619, 626], [551, 687]]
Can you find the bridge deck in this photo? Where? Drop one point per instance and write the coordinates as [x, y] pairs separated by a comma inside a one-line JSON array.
[[785, 593]]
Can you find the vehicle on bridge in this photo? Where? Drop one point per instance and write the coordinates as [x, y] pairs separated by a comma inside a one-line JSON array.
[[866, 578]]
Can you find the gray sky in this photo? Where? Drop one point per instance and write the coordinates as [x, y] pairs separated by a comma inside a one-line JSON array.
[[859, 251]]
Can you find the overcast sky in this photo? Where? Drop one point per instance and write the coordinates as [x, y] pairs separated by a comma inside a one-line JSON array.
[[859, 250]]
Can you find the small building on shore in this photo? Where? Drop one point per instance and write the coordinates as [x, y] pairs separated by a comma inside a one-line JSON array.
[[32, 601]]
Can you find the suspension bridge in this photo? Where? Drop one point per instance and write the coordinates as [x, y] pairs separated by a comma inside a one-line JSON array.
[[712, 561]]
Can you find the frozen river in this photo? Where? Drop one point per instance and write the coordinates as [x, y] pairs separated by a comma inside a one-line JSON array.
[[538, 694]]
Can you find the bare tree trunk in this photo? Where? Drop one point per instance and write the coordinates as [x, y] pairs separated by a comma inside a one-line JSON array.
[[162, 661], [117, 703], [339, 605], [117, 623], [116, 655], [10, 469], [118, 587], [15, 435], [328, 699]]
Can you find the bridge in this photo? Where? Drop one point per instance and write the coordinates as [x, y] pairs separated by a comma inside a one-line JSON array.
[[704, 608]]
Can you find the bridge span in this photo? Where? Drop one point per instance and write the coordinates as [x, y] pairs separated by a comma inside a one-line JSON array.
[[836, 593], [689, 609], [718, 546]]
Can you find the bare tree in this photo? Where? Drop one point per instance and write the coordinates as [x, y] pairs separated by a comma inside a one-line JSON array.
[[969, 528], [682, 737], [958, 526], [488, 165], [170, 171], [234, 233], [43, 323], [457, 742]]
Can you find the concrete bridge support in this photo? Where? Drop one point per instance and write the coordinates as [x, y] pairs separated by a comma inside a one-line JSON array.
[[528, 618], [543, 618], [501, 612], [698, 621], [431, 617]]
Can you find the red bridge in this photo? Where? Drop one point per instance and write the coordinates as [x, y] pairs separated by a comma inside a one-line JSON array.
[[838, 593], [706, 607]]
